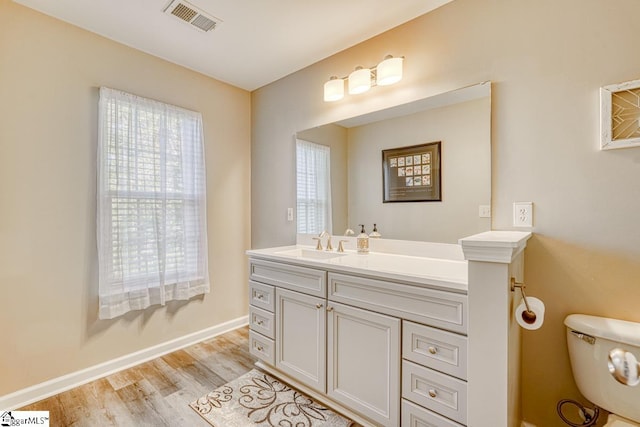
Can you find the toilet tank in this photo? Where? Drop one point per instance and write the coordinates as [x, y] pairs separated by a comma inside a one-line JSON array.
[[590, 339]]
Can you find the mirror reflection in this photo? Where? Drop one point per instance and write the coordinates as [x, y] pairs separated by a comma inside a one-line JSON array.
[[339, 169]]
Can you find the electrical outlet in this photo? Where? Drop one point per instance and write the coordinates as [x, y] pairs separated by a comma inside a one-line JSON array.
[[522, 214], [289, 214], [484, 211]]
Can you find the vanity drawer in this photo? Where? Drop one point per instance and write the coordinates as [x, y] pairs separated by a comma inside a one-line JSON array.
[[437, 349], [416, 416], [262, 321], [441, 309], [435, 391], [262, 296], [262, 347], [302, 279]]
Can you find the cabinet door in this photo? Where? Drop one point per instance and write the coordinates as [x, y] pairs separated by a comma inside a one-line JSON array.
[[300, 337], [363, 367]]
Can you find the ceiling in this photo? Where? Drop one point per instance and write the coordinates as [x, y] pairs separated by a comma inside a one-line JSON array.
[[256, 43]]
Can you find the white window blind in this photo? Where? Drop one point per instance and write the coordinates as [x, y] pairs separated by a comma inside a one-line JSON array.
[[313, 187], [151, 217]]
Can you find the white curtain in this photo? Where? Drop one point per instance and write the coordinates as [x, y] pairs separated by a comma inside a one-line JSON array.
[[313, 187], [151, 217]]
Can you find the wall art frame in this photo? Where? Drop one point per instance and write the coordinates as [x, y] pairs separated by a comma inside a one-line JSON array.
[[620, 115], [412, 174]]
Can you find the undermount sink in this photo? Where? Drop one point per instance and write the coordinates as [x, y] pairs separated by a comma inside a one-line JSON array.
[[310, 254]]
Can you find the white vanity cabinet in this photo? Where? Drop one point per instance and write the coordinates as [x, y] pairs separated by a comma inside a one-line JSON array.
[[434, 360], [363, 367], [391, 352], [262, 321], [295, 296], [300, 330]]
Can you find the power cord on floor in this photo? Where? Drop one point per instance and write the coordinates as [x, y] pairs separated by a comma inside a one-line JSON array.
[[589, 419]]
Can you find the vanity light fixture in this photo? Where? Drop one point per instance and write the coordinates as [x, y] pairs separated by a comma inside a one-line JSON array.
[[334, 89], [387, 72], [359, 81]]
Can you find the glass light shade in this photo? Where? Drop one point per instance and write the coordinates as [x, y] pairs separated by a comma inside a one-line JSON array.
[[334, 89], [359, 81], [389, 71]]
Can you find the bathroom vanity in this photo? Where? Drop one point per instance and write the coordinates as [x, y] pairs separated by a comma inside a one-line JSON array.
[[383, 337]]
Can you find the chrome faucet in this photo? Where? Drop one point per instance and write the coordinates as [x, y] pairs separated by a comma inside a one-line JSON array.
[[325, 233]]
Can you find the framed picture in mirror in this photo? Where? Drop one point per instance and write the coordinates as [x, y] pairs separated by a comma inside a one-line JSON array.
[[412, 174]]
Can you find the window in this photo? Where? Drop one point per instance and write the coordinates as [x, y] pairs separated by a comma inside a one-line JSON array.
[[151, 218], [313, 179]]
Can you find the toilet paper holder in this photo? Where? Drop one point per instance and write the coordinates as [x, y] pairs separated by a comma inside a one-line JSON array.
[[528, 316]]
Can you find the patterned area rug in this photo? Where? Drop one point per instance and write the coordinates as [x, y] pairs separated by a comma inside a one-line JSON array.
[[258, 399]]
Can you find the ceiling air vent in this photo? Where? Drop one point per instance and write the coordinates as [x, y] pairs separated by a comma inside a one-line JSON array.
[[192, 15]]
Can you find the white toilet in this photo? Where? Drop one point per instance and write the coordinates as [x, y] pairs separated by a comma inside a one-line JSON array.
[[604, 354]]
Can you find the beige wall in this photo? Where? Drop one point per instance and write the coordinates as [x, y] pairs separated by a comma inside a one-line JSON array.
[[50, 73], [547, 60]]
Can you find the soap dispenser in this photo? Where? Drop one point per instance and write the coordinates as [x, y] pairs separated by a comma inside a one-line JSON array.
[[374, 234], [362, 241]]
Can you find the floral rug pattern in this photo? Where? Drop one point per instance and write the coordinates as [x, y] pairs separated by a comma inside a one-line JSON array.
[[258, 399]]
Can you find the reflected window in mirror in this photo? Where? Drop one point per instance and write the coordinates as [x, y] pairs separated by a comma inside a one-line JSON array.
[[313, 179]]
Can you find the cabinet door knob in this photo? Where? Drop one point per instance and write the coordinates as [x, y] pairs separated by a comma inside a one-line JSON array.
[[432, 393], [318, 305], [329, 308], [433, 350]]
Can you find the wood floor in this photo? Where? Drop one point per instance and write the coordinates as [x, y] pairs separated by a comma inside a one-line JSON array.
[[156, 393]]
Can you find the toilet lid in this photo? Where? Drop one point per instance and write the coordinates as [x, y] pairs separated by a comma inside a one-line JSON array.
[[616, 421]]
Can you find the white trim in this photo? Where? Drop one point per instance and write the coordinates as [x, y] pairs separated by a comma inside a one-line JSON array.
[[494, 246], [66, 382]]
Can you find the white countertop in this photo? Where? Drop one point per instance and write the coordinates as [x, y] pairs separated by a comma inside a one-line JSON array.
[[447, 274]]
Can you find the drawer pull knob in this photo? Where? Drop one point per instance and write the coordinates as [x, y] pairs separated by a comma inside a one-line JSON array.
[[433, 350], [259, 322], [318, 305], [329, 308], [259, 296], [432, 393], [259, 347]]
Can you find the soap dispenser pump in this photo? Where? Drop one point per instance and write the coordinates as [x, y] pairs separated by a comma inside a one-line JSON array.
[[362, 241], [375, 234]]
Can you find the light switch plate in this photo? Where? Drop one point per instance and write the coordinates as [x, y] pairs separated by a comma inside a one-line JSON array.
[[523, 214], [484, 211], [289, 214]]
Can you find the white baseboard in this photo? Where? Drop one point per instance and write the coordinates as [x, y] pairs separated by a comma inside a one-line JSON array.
[[49, 388]]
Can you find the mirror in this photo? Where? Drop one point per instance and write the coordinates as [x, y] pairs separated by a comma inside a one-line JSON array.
[[460, 120]]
